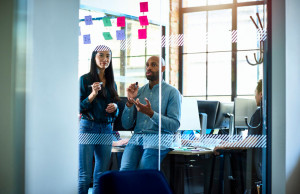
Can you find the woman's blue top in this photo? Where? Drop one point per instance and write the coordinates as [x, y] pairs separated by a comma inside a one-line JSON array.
[[95, 111]]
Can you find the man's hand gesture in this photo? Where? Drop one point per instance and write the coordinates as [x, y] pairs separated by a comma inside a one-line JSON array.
[[132, 91], [144, 108]]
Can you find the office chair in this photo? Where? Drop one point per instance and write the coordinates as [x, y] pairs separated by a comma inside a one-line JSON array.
[[134, 182]]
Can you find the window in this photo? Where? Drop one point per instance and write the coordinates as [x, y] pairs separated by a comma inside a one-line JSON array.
[[218, 35]]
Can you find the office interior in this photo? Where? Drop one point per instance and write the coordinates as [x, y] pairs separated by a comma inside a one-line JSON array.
[[43, 54]]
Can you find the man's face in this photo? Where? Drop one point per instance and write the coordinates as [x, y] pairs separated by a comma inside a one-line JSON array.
[[152, 69]]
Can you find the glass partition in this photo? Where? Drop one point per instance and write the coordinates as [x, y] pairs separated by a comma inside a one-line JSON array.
[[121, 127], [193, 130]]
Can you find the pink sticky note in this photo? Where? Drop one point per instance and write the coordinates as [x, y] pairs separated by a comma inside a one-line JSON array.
[[121, 21], [144, 6], [144, 20], [142, 33]]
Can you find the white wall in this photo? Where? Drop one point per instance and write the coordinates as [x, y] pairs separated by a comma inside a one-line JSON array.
[[285, 96], [278, 97], [292, 91], [52, 100]]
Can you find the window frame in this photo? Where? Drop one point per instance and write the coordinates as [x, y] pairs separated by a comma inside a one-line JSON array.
[[234, 7]]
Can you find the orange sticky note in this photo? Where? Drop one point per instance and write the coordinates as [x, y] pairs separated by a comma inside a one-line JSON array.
[[121, 21], [142, 33]]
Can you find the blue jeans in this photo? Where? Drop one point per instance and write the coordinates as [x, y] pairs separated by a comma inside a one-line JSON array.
[[91, 147], [136, 157]]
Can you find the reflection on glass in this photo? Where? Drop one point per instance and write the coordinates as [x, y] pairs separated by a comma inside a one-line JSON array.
[[220, 98], [219, 2], [219, 30], [247, 32], [219, 74], [247, 75], [193, 3], [195, 32], [194, 77], [242, 1]]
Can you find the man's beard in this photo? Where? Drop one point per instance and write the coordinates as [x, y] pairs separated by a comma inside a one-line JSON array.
[[153, 77]]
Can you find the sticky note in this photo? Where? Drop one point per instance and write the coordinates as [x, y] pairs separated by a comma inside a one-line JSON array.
[[120, 34], [144, 6], [121, 21], [86, 39], [106, 21], [88, 20], [144, 20], [142, 33], [107, 36]]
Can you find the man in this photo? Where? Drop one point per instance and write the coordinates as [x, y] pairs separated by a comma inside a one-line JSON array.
[[142, 108]]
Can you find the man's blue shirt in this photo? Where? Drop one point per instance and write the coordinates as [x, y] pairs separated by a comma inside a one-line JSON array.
[[170, 110]]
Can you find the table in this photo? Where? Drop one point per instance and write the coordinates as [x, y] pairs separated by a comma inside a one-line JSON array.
[[188, 171]]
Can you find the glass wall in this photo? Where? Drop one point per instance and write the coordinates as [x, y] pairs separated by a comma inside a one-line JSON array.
[[195, 133]]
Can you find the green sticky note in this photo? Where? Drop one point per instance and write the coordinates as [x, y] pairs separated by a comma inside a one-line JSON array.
[[106, 21], [107, 36]]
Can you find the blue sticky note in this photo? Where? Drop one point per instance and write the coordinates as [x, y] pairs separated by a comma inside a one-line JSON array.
[[88, 20], [106, 21], [107, 36], [120, 34], [86, 39]]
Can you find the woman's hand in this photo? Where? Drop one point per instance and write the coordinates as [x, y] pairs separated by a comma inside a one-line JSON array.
[[111, 107], [96, 87]]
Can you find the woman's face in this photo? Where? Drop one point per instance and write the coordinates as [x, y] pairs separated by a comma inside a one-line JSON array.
[[103, 59], [258, 97]]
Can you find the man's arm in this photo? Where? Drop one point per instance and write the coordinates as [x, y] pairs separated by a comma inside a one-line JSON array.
[[170, 121], [128, 116]]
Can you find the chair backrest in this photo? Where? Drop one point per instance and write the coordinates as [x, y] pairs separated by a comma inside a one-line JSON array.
[[243, 108], [134, 182]]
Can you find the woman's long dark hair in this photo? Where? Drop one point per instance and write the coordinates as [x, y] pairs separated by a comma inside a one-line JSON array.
[[109, 74]]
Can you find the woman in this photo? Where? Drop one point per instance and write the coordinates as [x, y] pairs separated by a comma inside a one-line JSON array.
[[98, 94]]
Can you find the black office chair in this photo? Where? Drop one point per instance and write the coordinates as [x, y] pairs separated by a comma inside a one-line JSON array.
[[134, 182]]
